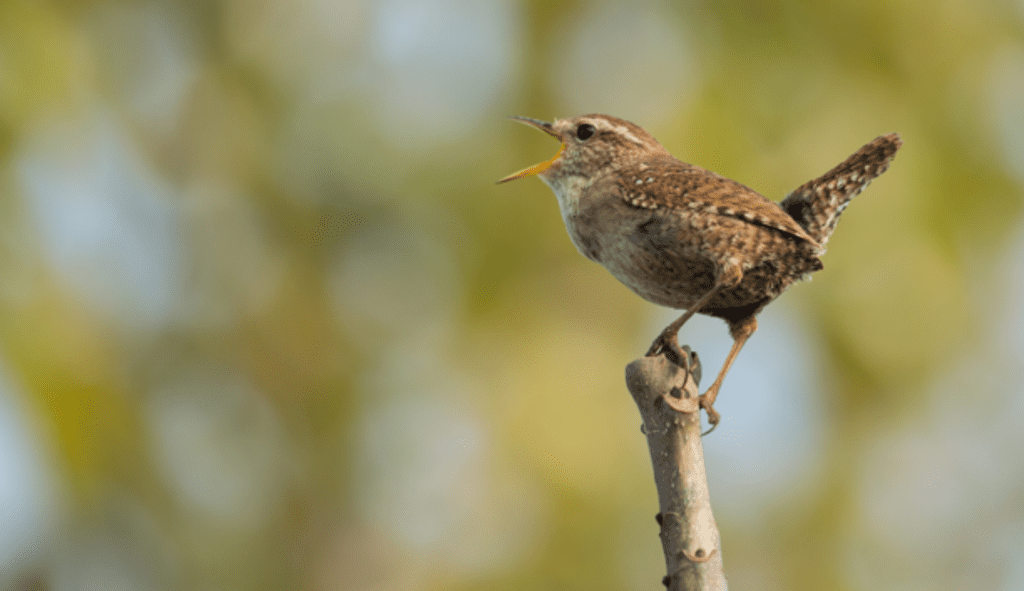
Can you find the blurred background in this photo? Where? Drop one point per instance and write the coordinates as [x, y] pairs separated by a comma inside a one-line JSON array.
[[266, 321]]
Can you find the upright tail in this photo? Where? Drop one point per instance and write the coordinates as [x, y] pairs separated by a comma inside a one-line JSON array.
[[816, 205]]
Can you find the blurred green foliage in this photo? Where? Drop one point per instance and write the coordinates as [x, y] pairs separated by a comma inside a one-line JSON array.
[[276, 328]]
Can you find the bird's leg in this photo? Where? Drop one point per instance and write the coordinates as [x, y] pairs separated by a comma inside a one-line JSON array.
[[741, 331], [668, 340]]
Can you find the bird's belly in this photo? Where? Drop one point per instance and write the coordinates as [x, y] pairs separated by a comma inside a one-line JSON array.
[[676, 277], [671, 272]]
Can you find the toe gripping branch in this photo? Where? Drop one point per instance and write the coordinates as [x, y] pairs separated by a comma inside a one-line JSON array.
[[679, 399]]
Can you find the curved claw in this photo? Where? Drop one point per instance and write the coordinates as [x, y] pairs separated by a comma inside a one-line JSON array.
[[713, 416], [659, 344], [669, 345], [693, 366]]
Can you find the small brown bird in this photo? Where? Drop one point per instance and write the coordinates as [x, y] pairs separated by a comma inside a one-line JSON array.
[[684, 237]]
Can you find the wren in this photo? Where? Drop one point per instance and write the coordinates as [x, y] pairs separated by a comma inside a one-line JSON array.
[[684, 237]]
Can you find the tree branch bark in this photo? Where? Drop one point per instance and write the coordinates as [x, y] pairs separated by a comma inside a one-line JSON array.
[[667, 397]]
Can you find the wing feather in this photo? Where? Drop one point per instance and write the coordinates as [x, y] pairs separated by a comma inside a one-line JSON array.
[[671, 184]]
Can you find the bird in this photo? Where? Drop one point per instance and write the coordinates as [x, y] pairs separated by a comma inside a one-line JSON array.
[[684, 237]]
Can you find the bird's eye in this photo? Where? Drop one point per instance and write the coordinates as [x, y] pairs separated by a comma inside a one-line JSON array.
[[584, 131]]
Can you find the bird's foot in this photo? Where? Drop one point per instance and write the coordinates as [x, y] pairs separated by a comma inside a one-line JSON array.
[[688, 360], [713, 416], [668, 344], [666, 340]]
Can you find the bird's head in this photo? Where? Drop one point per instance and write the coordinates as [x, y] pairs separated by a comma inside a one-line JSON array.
[[591, 145]]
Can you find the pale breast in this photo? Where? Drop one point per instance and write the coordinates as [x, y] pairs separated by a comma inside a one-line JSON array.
[[657, 259]]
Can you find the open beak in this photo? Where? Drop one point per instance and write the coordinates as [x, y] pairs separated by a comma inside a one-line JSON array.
[[536, 168]]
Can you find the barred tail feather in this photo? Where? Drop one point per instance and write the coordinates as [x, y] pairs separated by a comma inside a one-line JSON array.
[[817, 204]]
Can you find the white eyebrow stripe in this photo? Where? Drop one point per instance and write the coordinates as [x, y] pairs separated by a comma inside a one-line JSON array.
[[621, 130], [626, 133]]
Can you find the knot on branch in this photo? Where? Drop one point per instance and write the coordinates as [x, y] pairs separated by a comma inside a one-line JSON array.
[[666, 382]]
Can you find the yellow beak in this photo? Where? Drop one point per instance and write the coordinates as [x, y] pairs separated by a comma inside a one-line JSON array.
[[536, 168]]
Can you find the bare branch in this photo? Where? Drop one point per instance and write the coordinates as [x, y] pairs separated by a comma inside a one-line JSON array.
[[667, 397]]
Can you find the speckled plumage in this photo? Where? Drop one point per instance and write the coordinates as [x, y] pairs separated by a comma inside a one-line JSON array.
[[684, 237], [817, 204], [697, 223]]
